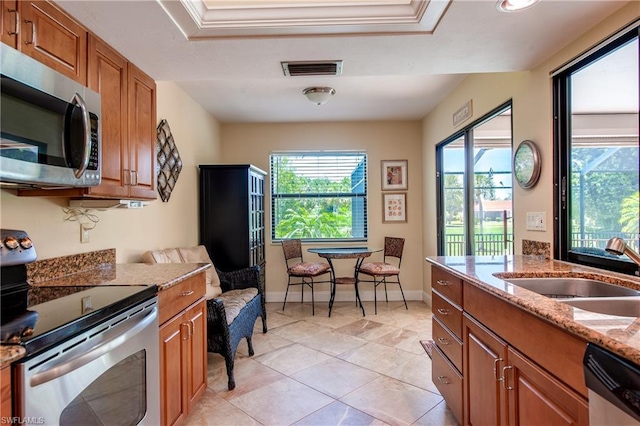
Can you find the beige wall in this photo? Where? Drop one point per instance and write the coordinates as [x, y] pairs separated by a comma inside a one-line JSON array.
[[133, 231], [531, 93], [252, 143]]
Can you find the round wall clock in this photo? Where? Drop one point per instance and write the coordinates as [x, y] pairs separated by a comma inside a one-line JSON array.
[[526, 164]]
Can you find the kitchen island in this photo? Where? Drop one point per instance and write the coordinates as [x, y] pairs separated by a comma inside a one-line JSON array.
[[620, 335], [503, 353]]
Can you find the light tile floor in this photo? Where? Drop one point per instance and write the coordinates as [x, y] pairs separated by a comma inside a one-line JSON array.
[[316, 370]]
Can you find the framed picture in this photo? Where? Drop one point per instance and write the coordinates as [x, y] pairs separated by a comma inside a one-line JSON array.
[[394, 207], [394, 175]]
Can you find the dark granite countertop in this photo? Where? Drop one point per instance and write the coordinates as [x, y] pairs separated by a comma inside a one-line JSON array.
[[618, 334]]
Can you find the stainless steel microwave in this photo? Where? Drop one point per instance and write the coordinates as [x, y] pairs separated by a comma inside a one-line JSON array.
[[49, 126]]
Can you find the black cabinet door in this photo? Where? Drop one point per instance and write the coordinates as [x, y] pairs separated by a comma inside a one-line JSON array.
[[231, 218]]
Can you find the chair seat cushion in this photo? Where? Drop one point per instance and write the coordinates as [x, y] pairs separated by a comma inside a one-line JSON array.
[[379, 268], [309, 269], [235, 300]]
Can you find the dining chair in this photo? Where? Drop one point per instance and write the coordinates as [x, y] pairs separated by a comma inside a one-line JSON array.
[[307, 272], [387, 271]]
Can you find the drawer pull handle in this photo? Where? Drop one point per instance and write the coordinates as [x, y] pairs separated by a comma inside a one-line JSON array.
[[505, 379], [442, 282], [17, 22], [33, 32], [443, 311], [443, 341], [496, 369], [444, 380], [185, 335], [187, 293]]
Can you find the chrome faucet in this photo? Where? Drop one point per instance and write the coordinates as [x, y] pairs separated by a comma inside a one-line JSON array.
[[618, 247]]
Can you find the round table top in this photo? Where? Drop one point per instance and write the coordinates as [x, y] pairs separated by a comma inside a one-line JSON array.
[[343, 252]]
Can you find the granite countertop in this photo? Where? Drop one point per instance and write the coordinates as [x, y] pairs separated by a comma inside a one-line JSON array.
[[620, 335], [10, 353], [162, 275]]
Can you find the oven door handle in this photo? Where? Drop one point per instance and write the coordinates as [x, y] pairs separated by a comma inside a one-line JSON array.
[[107, 341]]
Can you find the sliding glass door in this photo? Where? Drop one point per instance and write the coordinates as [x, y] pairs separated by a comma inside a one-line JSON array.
[[475, 188]]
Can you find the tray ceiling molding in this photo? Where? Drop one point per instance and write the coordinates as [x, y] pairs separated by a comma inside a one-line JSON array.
[[197, 20]]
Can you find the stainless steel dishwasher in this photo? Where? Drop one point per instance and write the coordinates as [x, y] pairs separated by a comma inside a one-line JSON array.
[[614, 388]]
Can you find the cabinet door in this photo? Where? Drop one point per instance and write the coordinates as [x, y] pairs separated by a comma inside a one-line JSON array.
[[50, 36], [10, 22], [173, 368], [537, 398], [108, 75], [5, 393], [142, 134], [196, 317], [484, 356]]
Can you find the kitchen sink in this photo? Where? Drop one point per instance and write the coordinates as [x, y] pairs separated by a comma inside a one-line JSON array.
[[563, 288], [619, 306]]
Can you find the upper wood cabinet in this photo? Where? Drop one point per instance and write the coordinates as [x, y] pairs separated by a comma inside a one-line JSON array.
[[109, 76], [128, 119], [142, 134], [46, 33]]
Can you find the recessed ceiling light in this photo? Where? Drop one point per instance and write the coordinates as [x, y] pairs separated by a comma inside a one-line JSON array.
[[514, 5]]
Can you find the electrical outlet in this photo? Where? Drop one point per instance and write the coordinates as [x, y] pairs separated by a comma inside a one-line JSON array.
[[84, 233]]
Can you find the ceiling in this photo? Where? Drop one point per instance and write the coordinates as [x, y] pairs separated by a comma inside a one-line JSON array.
[[401, 57]]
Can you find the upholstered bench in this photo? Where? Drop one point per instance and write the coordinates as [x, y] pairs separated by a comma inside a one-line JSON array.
[[235, 300]]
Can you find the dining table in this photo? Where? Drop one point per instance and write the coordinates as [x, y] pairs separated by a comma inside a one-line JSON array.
[[337, 253]]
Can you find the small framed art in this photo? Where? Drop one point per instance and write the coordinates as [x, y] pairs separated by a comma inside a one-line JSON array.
[[394, 207], [394, 175]]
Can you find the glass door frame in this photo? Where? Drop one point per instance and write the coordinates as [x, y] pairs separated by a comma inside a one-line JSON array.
[[469, 183]]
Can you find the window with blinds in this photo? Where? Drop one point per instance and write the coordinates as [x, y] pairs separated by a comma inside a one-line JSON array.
[[319, 196]]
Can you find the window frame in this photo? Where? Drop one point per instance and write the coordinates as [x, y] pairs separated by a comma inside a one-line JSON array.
[[468, 184], [326, 153], [562, 146]]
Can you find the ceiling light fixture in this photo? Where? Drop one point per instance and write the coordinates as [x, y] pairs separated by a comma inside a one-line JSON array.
[[319, 95], [514, 5]]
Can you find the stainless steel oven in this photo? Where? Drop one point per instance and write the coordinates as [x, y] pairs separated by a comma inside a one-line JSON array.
[[91, 351], [107, 375]]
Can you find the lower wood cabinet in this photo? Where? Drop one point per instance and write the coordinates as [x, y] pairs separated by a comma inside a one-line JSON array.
[[484, 356], [504, 387], [5, 393], [516, 369], [183, 351]]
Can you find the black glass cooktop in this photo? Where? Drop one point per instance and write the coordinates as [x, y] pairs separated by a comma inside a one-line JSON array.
[[57, 313]]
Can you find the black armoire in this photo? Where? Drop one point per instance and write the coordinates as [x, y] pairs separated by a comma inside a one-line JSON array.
[[232, 215]]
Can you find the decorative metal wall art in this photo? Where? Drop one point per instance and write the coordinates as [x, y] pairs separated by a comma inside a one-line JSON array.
[[169, 163]]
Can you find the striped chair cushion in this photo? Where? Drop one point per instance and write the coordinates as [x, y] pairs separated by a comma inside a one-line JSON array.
[[235, 300], [379, 268], [309, 268]]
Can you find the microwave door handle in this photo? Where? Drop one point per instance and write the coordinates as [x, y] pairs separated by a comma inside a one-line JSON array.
[[77, 100]]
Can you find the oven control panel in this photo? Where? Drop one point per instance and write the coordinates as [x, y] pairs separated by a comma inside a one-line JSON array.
[[16, 248]]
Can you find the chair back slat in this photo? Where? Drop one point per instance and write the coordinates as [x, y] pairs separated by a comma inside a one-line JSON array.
[[393, 247], [292, 250]]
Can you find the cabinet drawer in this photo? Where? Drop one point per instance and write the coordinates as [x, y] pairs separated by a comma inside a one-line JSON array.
[[448, 381], [448, 314], [176, 298], [447, 285], [447, 343]]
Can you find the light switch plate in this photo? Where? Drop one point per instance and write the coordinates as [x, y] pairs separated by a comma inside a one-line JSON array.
[[536, 221]]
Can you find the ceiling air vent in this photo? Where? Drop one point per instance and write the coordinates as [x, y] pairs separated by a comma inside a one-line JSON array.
[[311, 68]]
